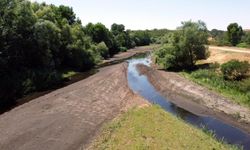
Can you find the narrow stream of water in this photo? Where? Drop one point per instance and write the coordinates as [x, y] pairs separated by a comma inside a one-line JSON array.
[[140, 84]]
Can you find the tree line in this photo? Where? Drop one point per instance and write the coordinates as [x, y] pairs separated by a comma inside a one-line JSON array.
[[38, 40], [234, 36], [186, 45]]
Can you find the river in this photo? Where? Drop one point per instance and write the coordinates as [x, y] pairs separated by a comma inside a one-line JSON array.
[[222, 131]]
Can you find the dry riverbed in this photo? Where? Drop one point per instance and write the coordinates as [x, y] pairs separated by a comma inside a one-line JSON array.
[[197, 99]]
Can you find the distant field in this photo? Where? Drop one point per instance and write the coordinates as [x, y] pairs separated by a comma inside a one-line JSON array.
[[224, 54]]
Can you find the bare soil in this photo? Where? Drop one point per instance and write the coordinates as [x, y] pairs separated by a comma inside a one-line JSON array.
[[70, 117], [224, 54], [195, 98]]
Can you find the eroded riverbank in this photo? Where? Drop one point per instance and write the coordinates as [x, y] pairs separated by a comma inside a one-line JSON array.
[[190, 102]]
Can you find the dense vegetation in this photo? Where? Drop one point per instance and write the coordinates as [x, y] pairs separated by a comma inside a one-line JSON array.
[[235, 70], [234, 36], [162, 131], [213, 78], [37, 41], [184, 47]]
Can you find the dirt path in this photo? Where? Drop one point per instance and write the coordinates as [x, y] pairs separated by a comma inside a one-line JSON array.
[[225, 54], [195, 98], [230, 49], [70, 117]]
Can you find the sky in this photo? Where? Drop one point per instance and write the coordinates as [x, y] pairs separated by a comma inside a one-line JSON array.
[[150, 14]]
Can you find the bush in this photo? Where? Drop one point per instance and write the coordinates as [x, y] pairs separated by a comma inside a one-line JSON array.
[[243, 45], [235, 70], [123, 49], [103, 50], [165, 56]]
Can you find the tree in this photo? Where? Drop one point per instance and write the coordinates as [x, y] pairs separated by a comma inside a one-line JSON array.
[[141, 38], [102, 49], [37, 40], [186, 46], [99, 33], [246, 38], [67, 13], [117, 29], [47, 40], [234, 33], [216, 33]]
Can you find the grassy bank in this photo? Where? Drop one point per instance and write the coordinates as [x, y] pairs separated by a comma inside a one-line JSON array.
[[153, 128], [238, 91]]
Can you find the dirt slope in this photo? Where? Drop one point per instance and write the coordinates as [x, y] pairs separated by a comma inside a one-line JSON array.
[[195, 98], [68, 118]]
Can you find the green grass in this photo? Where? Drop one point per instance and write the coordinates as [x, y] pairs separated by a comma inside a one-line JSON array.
[[243, 45], [153, 128], [237, 91], [68, 74]]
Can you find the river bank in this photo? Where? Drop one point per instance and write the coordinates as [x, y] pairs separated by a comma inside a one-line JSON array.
[[78, 76], [70, 117], [195, 98]]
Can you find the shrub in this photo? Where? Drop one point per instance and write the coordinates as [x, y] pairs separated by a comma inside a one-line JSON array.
[[123, 49], [235, 70], [243, 45], [214, 66], [103, 50]]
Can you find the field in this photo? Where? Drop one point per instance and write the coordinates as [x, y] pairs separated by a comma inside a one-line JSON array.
[[221, 54]]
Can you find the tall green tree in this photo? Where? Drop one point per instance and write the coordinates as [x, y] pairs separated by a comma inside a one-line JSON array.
[[117, 28], [186, 46], [234, 33], [99, 33]]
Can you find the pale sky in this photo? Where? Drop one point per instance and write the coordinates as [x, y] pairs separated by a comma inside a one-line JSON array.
[[150, 14]]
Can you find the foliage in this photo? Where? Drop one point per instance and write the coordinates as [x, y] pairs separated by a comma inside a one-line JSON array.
[[234, 33], [162, 131], [156, 35], [141, 38], [184, 47], [235, 70], [117, 28], [38, 40], [237, 91], [246, 38], [243, 45], [103, 50], [216, 33], [219, 38], [123, 49]]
